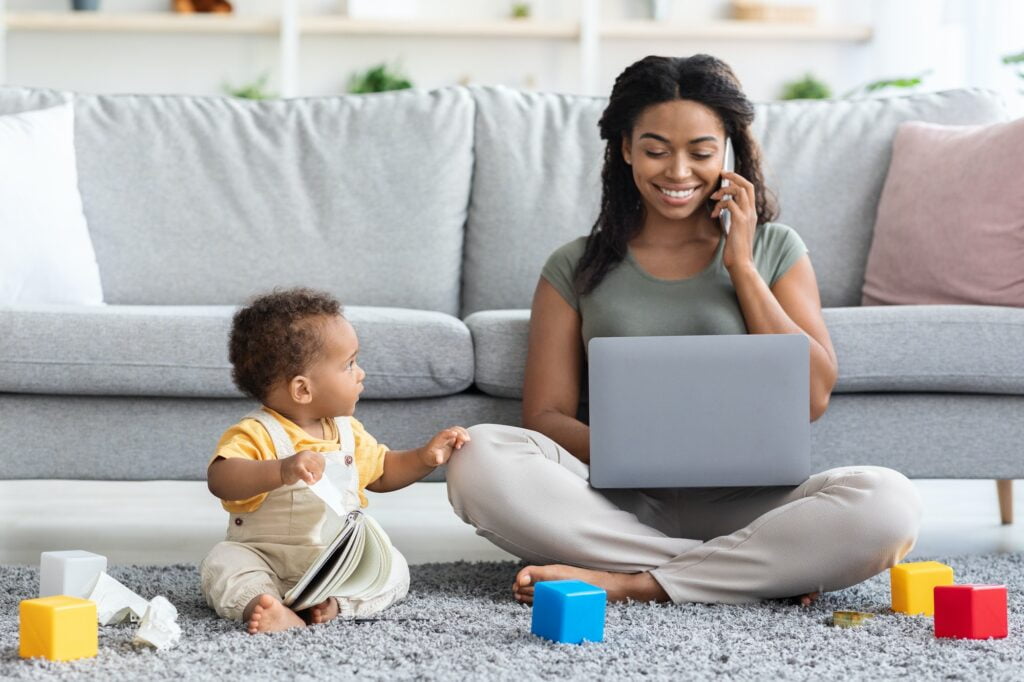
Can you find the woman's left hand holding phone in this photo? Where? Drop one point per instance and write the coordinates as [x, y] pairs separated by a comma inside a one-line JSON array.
[[739, 199]]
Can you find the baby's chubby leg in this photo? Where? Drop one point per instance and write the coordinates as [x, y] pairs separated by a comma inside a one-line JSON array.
[[239, 583]]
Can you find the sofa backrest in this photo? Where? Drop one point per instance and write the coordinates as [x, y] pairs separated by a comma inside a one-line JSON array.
[[209, 200], [537, 165]]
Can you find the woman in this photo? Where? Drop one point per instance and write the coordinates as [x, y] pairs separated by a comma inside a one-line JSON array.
[[657, 262]]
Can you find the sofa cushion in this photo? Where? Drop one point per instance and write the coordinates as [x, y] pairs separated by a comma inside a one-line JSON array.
[[210, 200], [965, 349], [499, 344], [182, 351], [47, 255], [951, 232], [146, 438], [935, 348], [537, 167]]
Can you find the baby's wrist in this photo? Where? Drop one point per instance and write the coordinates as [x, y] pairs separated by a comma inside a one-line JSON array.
[[425, 459]]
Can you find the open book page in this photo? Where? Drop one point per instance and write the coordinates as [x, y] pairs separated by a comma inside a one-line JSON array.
[[356, 563], [322, 570], [370, 572]]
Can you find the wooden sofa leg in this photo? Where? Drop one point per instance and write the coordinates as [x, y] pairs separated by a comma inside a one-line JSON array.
[[1004, 486]]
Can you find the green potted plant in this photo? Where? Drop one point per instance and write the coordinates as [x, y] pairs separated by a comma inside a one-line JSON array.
[[521, 10], [807, 87], [906, 82], [380, 78], [1017, 61], [257, 89]]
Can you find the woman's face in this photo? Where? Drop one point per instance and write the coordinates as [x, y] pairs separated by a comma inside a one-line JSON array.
[[676, 151]]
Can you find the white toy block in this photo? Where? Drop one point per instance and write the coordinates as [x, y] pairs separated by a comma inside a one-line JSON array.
[[73, 573]]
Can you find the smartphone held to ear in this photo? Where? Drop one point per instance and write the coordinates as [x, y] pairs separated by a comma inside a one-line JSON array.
[[727, 166]]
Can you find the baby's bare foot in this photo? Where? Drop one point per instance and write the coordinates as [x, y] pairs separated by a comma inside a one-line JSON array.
[[619, 586], [267, 614], [324, 612]]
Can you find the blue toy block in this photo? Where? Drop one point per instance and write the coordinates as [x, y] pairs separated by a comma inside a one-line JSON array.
[[568, 611]]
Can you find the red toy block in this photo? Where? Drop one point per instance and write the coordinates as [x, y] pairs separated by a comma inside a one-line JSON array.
[[970, 611]]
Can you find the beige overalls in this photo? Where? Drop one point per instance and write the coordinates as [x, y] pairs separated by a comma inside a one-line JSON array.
[[266, 551]]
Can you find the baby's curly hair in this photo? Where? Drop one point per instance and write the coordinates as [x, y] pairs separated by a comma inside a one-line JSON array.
[[277, 336]]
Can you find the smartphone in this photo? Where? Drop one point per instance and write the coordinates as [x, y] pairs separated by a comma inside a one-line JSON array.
[[727, 165]]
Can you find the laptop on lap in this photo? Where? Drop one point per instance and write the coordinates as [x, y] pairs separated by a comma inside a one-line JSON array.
[[699, 411]]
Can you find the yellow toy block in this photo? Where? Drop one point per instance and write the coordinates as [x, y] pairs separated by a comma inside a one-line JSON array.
[[59, 628], [913, 586]]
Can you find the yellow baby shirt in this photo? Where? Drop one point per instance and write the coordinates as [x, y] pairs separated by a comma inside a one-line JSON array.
[[248, 439]]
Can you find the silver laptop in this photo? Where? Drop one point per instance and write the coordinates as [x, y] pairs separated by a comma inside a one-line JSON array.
[[685, 411]]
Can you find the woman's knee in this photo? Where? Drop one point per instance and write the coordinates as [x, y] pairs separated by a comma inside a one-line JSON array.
[[892, 509], [465, 462], [474, 466]]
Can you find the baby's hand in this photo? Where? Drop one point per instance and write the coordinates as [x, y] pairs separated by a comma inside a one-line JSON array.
[[439, 449], [305, 466]]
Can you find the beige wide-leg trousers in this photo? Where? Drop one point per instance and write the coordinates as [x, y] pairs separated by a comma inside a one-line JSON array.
[[531, 497]]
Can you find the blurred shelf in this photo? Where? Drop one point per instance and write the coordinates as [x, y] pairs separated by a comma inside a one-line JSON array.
[[170, 22], [509, 28], [327, 25], [735, 30], [142, 22]]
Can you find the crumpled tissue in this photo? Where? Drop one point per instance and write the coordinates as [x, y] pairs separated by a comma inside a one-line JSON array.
[[115, 603], [159, 628]]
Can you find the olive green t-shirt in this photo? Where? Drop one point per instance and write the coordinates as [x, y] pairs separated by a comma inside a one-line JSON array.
[[631, 302]]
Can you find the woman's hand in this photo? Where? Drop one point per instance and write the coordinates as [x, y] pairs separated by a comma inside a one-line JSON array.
[[305, 466], [739, 244], [440, 448]]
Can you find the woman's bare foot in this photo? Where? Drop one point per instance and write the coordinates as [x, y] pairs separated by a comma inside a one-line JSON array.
[[266, 614], [619, 586], [807, 599], [324, 612]]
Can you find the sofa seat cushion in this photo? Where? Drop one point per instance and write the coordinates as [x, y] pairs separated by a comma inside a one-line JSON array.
[[182, 351], [934, 348], [499, 344], [938, 348]]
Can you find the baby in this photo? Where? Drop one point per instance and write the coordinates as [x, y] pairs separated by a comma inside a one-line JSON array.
[[295, 353]]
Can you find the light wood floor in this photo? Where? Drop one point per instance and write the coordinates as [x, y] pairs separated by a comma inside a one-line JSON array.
[[173, 521]]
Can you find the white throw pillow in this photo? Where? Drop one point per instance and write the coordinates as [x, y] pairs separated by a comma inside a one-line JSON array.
[[46, 255]]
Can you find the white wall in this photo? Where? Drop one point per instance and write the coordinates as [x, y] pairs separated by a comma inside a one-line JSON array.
[[960, 40]]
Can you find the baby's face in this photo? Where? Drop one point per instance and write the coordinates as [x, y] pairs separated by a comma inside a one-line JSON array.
[[336, 378]]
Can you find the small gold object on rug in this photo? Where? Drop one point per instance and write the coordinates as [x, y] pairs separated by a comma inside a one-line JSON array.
[[850, 619]]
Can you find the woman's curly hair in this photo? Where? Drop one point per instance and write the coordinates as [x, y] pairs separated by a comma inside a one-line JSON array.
[[277, 336], [654, 80]]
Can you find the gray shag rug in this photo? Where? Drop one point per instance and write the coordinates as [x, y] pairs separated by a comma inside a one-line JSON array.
[[459, 622]]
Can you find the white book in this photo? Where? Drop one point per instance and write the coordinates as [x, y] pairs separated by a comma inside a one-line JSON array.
[[355, 565]]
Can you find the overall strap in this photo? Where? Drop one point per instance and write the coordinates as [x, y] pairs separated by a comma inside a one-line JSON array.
[[283, 445], [346, 438]]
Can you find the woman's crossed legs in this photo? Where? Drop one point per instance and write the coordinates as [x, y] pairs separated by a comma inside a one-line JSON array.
[[531, 497]]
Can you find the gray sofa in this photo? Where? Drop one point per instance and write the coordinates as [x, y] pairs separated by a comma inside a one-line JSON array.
[[430, 214]]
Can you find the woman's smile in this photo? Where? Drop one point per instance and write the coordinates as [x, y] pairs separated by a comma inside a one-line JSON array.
[[677, 196]]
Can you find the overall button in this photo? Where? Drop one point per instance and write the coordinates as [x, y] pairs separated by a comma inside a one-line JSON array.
[[348, 460], [238, 521]]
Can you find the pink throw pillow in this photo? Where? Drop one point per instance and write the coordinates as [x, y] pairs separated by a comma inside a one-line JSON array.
[[950, 225]]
